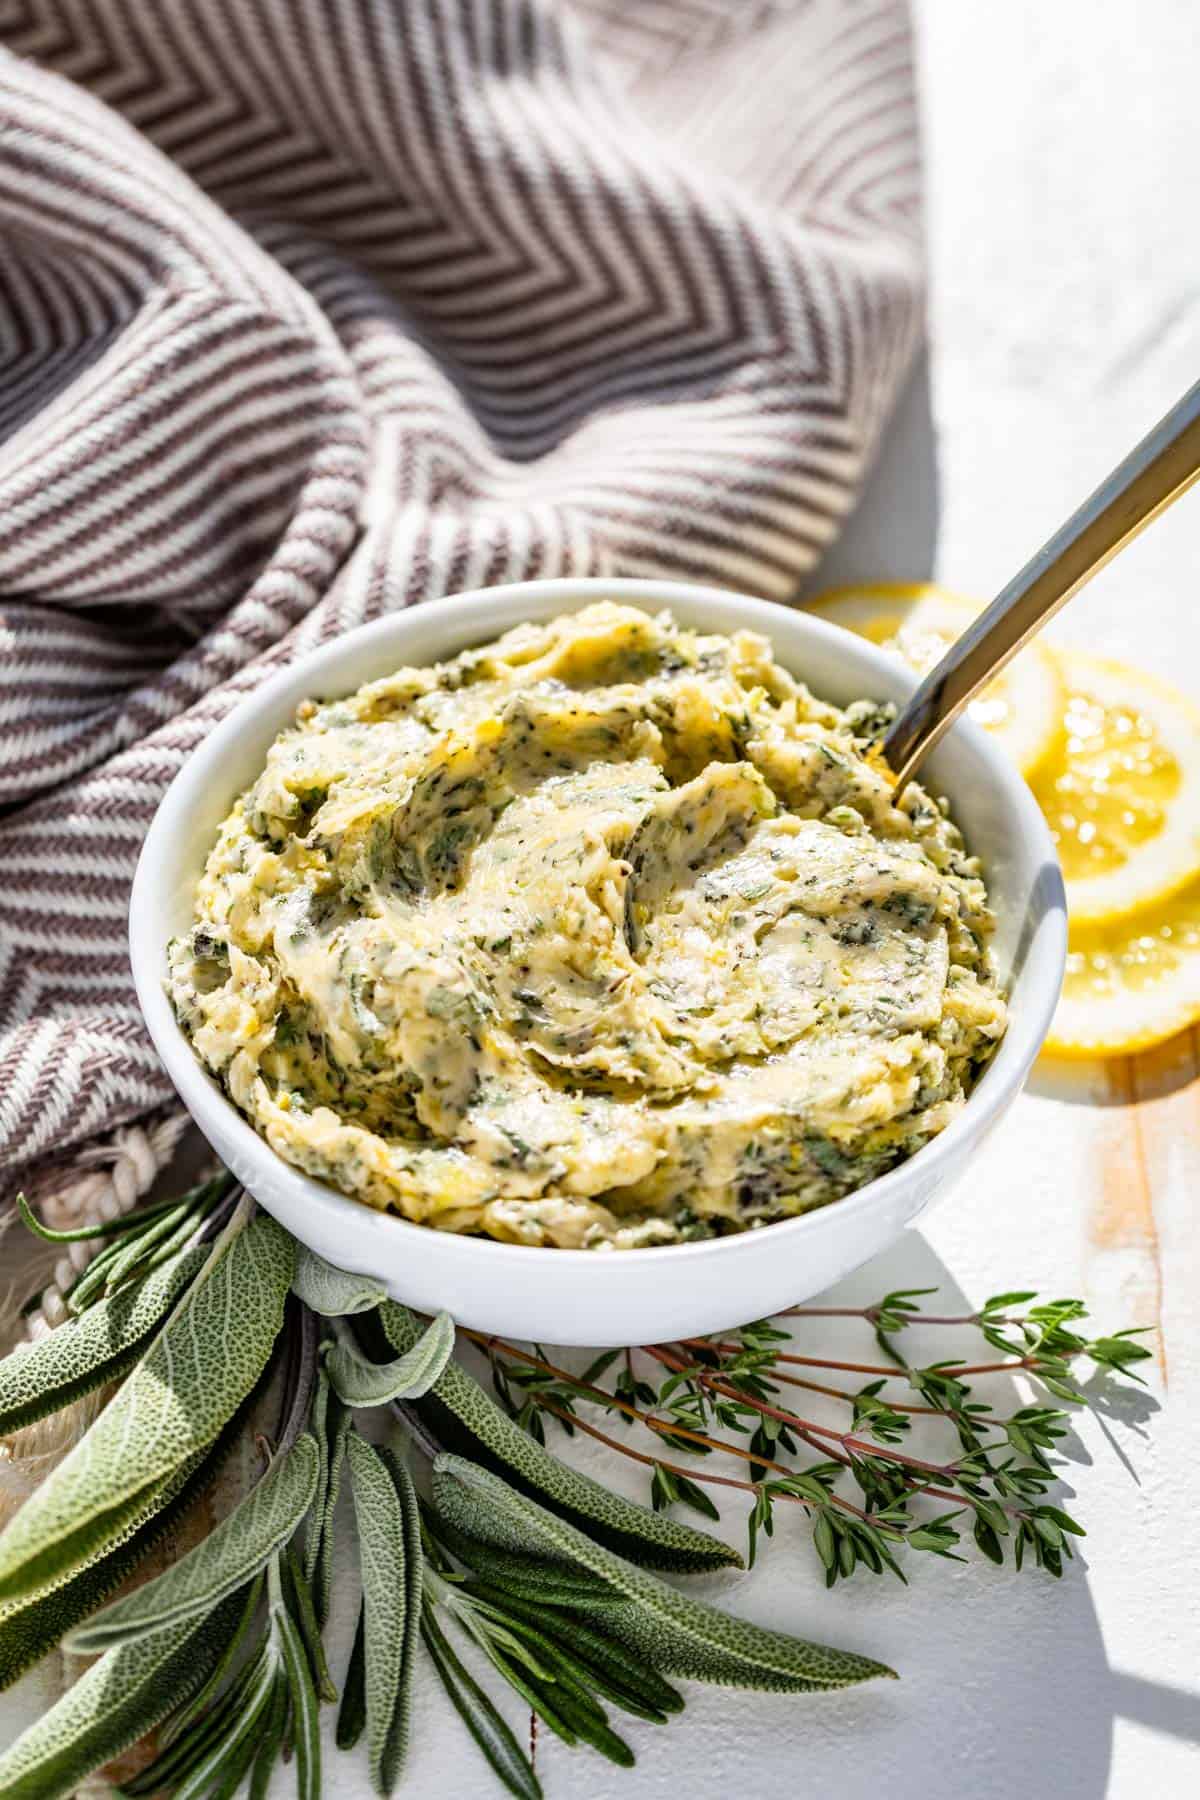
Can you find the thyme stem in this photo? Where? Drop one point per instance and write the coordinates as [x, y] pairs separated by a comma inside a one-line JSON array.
[[872, 1314], [833, 1393], [851, 1368], [805, 1428], [693, 1474], [664, 1428]]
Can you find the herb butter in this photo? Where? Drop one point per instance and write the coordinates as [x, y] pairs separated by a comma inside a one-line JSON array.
[[605, 934]]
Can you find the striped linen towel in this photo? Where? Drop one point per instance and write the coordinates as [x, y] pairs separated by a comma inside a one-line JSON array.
[[311, 309]]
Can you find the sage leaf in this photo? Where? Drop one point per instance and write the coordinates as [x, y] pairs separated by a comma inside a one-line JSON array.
[[466, 1420], [352, 1713], [379, 1515], [229, 1557], [531, 1578], [29, 1630], [114, 1703], [601, 1662], [414, 1592], [675, 1633], [339, 1425], [318, 1424], [300, 1604], [271, 1742], [306, 1730], [124, 1527], [358, 1382], [479, 1715], [100, 1346], [333, 1292], [197, 1371]]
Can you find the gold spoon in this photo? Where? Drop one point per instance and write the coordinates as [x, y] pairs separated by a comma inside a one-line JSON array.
[[1164, 464]]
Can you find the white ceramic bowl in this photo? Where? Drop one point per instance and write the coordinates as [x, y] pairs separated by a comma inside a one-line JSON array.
[[577, 1296]]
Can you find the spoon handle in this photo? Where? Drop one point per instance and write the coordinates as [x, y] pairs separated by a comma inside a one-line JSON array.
[[1165, 463]]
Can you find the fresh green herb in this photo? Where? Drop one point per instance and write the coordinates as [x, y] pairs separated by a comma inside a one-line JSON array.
[[545, 1572], [103, 1344], [332, 1292], [382, 1499], [195, 1374], [479, 1715], [997, 1483], [358, 1382], [676, 1634], [460, 1415], [228, 1558]]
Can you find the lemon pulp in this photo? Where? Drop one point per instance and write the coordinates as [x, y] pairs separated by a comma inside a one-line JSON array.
[[1132, 983], [1122, 796]]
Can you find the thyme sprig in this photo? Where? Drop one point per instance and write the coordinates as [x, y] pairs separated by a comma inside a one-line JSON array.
[[726, 1395]]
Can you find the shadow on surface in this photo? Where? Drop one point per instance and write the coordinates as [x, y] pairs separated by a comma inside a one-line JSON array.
[[892, 533], [1171, 1710], [1005, 1685], [1044, 1716]]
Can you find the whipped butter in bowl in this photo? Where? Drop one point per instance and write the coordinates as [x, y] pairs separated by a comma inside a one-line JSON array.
[[603, 935]]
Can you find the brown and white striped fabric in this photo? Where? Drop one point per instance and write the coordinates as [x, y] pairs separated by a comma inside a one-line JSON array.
[[310, 309]]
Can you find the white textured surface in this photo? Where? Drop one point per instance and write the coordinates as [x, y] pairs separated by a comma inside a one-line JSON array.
[[1062, 144]]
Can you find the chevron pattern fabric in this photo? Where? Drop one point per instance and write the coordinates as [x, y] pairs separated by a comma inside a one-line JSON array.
[[310, 309]]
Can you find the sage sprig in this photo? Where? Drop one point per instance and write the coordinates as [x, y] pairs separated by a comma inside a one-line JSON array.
[[462, 1417], [200, 1367], [231, 1555], [676, 1634], [238, 1723], [559, 1686]]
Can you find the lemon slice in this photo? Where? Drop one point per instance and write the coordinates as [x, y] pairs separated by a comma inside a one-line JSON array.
[[1123, 799], [1022, 707], [1132, 983]]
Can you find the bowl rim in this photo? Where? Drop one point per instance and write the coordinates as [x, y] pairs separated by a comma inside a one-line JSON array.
[[201, 1094]]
